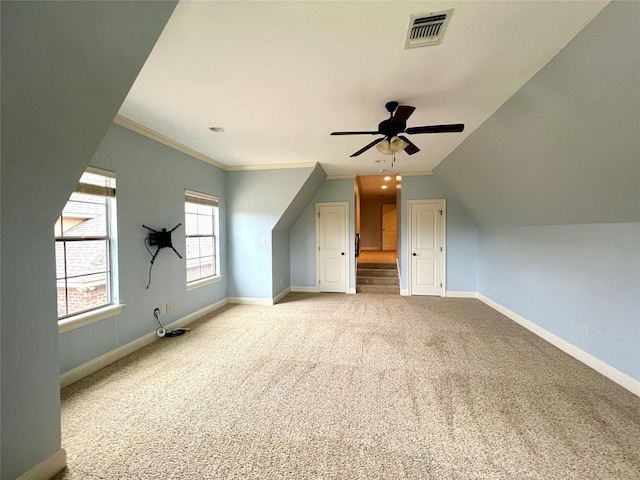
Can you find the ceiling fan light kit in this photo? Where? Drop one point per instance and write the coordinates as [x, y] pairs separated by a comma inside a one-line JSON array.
[[389, 147], [384, 147], [391, 128]]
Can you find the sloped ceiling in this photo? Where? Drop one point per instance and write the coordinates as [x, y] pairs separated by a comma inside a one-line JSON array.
[[565, 149], [280, 76]]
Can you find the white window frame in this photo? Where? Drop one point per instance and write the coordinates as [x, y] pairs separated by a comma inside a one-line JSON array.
[[199, 198], [112, 307]]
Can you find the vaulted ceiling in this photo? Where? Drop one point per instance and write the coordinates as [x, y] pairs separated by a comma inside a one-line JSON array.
[[279, 77]]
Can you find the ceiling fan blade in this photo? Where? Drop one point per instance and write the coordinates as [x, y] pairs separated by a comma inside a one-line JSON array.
[[355, 133], [453, 128], [364, 149], [403, 112], [411, 148]]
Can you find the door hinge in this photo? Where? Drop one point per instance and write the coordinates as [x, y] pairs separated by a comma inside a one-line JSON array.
[[440, 285], [440, 212], [440, 248]]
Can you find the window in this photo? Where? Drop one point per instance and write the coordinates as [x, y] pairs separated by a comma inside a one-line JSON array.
[[201, 227], [84, 255]]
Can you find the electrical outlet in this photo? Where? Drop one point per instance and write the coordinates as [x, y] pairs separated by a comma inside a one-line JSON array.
[[163, 309], [585, 330], [169, 307]]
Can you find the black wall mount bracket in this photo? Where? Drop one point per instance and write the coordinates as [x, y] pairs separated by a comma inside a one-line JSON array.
[[161, 239]]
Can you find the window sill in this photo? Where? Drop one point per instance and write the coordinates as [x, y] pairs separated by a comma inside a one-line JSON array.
[[203, 282], [88, 318]]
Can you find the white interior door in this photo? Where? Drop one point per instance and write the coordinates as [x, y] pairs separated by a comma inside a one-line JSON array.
[[333, 247], [426, 247], [389, 227]]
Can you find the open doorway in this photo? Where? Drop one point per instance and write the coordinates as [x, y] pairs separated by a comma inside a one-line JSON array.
[[377, 220]]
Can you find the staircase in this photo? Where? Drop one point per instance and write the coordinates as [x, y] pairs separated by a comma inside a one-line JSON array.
[[377, 278]]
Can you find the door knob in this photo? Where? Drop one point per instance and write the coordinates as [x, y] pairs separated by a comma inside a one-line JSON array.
[[342, 253], [414, 254]]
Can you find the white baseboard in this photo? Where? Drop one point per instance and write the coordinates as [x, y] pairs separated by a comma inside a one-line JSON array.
[[281, 295], [598, 365], [305, 289], [46, 469], [460, 294], [350, 291], [122, 351], [250, 301]]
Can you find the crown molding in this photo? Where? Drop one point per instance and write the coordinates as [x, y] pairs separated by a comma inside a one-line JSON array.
[[415, 174], [341, 177], [158, 137], [271, 166], [153, 135]]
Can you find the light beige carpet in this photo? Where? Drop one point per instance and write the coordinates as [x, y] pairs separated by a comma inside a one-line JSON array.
[[331, 386]]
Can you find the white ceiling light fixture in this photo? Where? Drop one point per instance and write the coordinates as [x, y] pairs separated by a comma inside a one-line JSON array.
[[394, 145], [384, 147], [391, 146]]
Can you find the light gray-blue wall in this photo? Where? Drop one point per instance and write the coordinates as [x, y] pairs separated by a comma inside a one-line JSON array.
[[303, 234], [281, 277], [553, 181], [257, 200], [461, 232], [562, 277], [281, 236], [565, 148], [151, 181], [66, 68]]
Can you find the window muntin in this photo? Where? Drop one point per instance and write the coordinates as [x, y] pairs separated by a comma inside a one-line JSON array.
[[84, 245], [201, 230]]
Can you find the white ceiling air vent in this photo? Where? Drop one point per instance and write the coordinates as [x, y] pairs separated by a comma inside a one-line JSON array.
[[427, 28]]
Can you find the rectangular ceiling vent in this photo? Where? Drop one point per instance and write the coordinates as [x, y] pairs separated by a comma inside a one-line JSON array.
[[427, 28]]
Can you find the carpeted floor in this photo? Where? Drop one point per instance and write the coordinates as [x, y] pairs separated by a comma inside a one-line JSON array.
[[334, 386]]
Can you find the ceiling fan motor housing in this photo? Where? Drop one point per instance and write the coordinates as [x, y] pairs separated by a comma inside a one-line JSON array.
[[390, 129], [391, 107]]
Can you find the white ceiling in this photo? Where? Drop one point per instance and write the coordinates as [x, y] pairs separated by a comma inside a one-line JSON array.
[[279, 77]]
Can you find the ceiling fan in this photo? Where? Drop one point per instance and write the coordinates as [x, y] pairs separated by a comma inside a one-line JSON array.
[[392, 141]]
